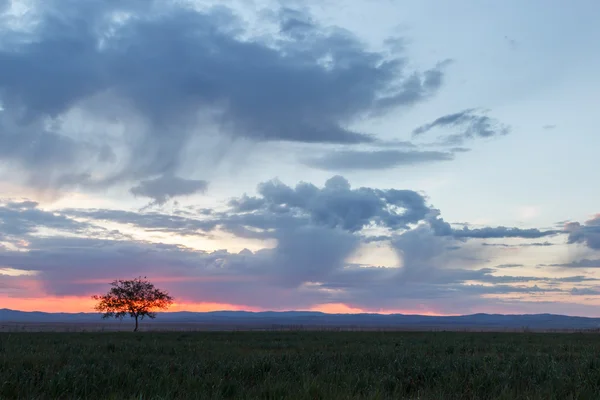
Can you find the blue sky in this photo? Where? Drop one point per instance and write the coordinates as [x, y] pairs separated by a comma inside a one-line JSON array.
[[368, 155]]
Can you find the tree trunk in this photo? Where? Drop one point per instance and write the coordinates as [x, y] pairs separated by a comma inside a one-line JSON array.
[[136, 324]]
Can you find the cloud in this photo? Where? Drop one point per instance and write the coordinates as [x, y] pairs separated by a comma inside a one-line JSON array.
[[349, 160], [306, 268], [268, 278], [136, 93], [534, 244], [574, 279], [394, 143], [336, 205], [502, 279], [471, 123], [315, 232], [443, 228], [429, 273], [150, 221], [501, 232], [509, 266], [21, 218], [64, 265], [280, 207], [583, 263], [153, 78], [42, 152], [587, 233], [295, 23], [294, 264], [585, 292], [167, 187], [459, 150]]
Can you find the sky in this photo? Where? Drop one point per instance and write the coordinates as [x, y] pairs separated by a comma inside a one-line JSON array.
[[341, 156]]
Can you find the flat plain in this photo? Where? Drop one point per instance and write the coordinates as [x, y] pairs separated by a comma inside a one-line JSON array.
[[299, 365]]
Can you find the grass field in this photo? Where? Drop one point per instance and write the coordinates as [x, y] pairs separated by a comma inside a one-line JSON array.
[[299, 365]]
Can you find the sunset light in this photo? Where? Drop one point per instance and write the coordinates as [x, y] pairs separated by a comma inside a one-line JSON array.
[[276, 199], [299, 158]]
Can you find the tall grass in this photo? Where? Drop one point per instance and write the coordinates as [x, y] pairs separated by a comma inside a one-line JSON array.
[[299, 365]]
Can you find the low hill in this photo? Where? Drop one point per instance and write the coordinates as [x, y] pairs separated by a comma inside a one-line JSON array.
[[270, 319]]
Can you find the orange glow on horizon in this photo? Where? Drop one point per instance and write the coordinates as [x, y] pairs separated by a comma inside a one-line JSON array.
[[208, 307], [336, 308], [73, 304], [340, 308]]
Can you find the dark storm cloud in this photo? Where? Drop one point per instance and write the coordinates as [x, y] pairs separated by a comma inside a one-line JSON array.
[[167, 187], [155, 67], [471, 123], [587, 233], [349, 160]]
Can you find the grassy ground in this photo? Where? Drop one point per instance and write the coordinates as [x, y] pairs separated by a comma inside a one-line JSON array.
[[299, 365]]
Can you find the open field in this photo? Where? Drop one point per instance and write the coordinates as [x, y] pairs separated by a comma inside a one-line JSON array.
[[299, 365]]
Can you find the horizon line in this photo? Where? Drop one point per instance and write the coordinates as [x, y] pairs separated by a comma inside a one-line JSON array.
[[310, 312]]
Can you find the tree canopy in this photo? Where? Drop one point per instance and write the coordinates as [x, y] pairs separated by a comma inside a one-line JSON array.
[[137, 297]]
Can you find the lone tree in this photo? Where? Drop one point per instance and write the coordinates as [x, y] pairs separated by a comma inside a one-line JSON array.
[[138, 298]]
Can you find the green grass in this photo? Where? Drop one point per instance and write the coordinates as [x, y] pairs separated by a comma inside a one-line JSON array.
[[299, 365]]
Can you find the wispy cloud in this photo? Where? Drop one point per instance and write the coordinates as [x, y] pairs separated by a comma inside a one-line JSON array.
[[349, 160], [470, 123]]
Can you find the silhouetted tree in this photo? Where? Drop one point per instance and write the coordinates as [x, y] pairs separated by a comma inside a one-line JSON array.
[[138, 298]]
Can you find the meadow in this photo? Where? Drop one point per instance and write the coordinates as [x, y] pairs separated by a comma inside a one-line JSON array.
[[299, 365]]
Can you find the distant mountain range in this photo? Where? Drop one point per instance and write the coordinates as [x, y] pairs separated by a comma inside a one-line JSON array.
[[269, 319]]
